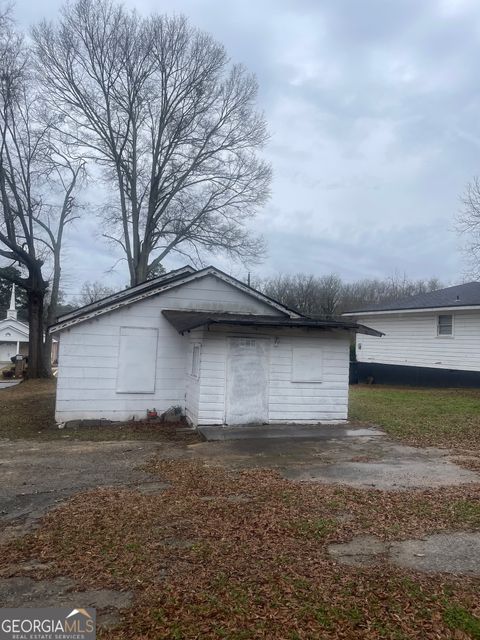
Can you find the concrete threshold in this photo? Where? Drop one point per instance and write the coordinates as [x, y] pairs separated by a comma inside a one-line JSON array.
[[287, 431]]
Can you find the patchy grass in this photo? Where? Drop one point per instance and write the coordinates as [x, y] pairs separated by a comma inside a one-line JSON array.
[[27, 411], [459, 619], [205, 565], [428, 417]]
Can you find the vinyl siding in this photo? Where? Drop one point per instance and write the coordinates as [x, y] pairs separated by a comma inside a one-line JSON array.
[[88, 353], [288, 401], [192, 382], [309, 401], [411, 339]]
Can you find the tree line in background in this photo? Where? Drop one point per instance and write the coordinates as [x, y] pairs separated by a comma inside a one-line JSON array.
[[328, 296]]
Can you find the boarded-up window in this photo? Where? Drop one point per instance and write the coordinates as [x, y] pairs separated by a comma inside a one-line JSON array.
[[137, 360], [307, 364], [196, 360]]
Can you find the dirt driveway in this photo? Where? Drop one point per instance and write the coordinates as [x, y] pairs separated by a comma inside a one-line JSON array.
[[34, 476], [155, 524]]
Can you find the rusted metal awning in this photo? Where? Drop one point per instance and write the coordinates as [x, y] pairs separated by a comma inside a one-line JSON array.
[[184, 321]]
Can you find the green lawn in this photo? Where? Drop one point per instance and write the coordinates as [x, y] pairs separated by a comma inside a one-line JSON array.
[[435, 417]]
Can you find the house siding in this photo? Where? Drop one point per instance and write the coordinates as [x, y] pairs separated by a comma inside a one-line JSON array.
[[88, 352], [299, 402], [411, 340], [308, 402]]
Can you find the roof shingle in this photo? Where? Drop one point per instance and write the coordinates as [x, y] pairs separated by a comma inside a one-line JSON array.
[[461, 295]]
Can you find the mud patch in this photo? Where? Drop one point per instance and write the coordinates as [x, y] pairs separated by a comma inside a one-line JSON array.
[[457, 553]]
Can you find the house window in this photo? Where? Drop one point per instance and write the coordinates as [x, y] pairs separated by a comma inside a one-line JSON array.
[[307, 364], [445, 325], [137, 360], [196, 360]]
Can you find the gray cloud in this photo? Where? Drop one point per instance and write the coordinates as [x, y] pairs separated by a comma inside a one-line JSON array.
[[373, 108]]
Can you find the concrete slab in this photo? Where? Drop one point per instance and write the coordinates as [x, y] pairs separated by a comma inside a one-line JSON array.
[[370, 461], [457, 553], [269, 431], [406, 473]]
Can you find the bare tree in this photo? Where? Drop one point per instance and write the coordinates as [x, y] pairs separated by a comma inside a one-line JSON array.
[[157, 104], [26, 160], [63, 178], [328, 296], [92, 292], [314, 296], [468, 225]]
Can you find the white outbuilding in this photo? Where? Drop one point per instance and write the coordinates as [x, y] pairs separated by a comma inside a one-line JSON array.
[[208, 344]]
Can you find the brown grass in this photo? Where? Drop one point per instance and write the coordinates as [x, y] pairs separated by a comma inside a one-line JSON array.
[[27, 411], [237, 556]]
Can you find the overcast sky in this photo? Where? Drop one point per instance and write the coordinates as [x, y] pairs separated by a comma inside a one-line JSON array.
[[374, 114]]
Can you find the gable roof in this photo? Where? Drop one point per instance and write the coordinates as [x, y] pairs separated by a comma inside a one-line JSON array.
[[184, 320], [462, 295], [14, 325], [158, 285]]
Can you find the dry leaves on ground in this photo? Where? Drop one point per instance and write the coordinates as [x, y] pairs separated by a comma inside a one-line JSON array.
[[244, 555]]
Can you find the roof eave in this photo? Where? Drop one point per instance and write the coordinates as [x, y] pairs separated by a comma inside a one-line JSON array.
[[471, 307]]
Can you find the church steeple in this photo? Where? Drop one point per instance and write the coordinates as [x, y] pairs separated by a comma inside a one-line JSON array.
[[12, 311]]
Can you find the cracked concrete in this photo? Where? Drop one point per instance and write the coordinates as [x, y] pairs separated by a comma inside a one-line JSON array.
[[35, 476], [457, 552], [362, 458]]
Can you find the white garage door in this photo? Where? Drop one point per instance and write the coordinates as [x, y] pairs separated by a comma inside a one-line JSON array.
[[247, 381]]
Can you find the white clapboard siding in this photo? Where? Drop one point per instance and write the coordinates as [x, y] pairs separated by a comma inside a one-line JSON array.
[[300, 402], [411, 339], [88, 354], [192, 390], [309, 401]]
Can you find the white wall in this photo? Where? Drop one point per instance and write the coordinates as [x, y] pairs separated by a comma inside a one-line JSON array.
[[307, 402], [9, 349], [88, 353], [192, 384], [411, 339], [310, 401]]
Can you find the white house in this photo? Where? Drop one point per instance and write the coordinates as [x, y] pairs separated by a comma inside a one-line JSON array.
[[13, 334], [430, 339], [205, 342]]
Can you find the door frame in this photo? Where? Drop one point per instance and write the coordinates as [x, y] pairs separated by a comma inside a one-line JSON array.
[[268, 339]]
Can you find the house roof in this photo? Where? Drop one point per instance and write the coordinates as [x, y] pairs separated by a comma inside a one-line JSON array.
[[158, 285], [462, 295], [187, 320], [14, 325]]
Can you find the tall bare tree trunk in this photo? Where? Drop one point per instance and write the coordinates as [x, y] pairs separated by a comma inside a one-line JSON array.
[[36, 352]]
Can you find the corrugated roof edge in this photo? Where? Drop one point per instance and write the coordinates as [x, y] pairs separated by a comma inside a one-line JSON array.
[[184, 320]]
